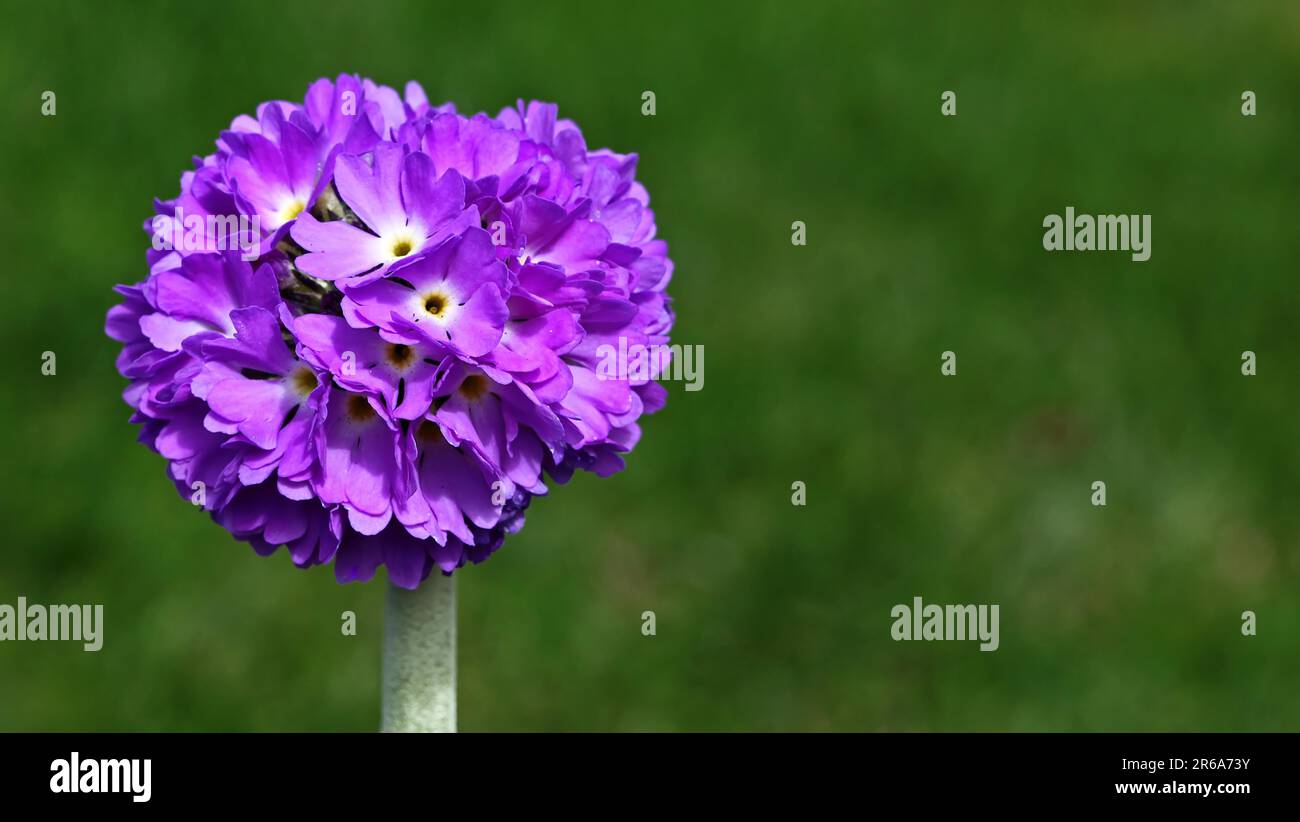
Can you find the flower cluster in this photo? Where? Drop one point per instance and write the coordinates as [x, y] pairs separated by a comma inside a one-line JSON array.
[[405, 346]]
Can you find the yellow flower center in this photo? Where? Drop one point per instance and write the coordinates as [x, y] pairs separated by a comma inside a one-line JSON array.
[[291, 209], [436, 304]]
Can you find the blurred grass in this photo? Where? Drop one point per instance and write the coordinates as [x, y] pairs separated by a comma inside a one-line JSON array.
[[822, 366]]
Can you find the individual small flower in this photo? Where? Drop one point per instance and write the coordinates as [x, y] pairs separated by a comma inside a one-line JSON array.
[[198, 298], [403, 208], [452, 298], [453, 488], [253, 383], [411, 355], [357, 460], [404, 374], [275, 179], [263, 517]]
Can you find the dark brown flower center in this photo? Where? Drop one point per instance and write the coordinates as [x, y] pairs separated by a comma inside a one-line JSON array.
[[304, 381], [359, 409], [428, 433], [399, 355], [473, 386], [435, 304]]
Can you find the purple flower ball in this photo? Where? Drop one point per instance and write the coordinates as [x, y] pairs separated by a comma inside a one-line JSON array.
[[372, 327]]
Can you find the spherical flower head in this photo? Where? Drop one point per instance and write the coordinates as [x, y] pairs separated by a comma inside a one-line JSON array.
[[371, 327]]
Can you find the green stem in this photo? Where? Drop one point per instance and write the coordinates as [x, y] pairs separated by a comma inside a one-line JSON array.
[[419, 681]]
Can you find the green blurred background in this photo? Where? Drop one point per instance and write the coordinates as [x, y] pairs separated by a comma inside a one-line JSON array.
[[924, 235]]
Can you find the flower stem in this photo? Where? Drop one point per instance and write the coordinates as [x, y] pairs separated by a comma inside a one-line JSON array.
[[419, 680]]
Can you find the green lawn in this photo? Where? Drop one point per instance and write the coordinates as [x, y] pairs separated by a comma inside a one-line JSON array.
[[924, 235]]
